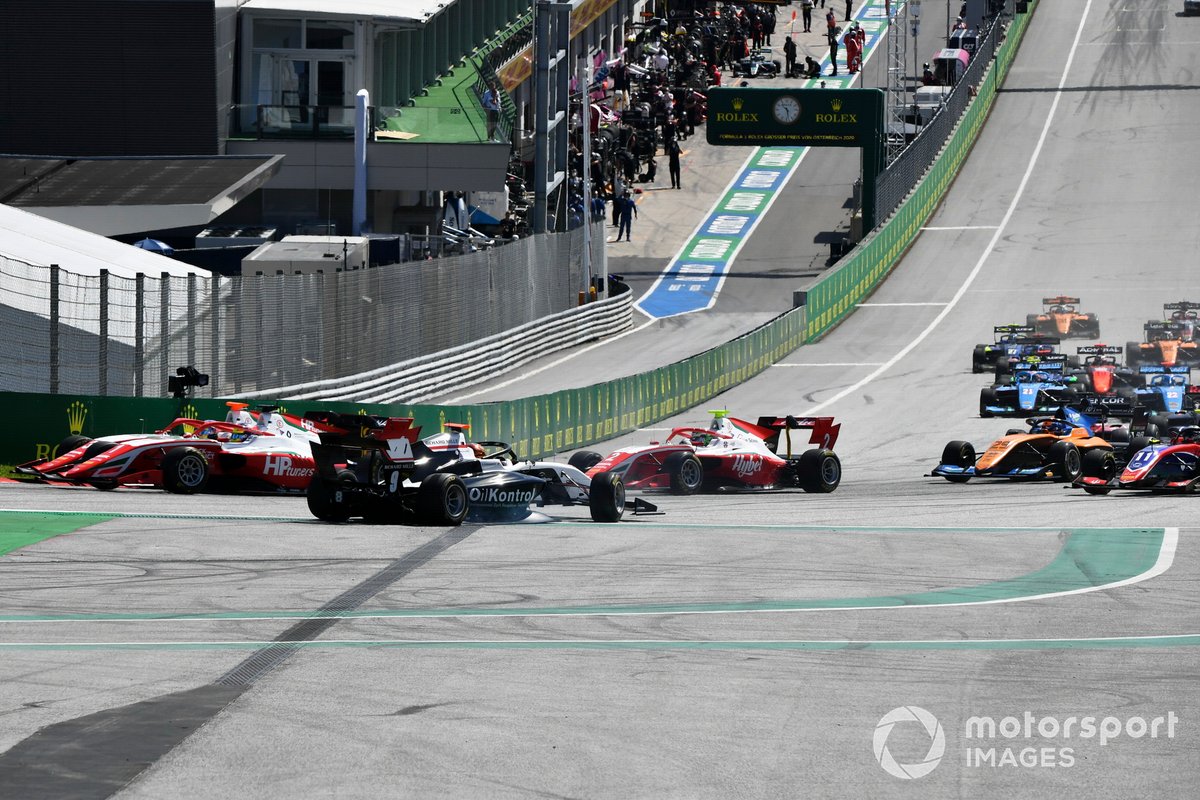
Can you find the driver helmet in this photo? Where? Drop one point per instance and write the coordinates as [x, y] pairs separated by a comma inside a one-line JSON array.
[[701, 439], [1190, 434], [477, 449]]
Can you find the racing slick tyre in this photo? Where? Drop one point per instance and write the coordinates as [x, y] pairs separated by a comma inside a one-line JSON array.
[[1133, 354], [1032, 321], [685, 471], [184, 471], [987, 397], [1065, 459], [1118, 435], [1099, 464], [959, 454], [442, 500], [1093, 327], [585, 460], [606, 497], [1001, 365], [70, 443], [977, 359], [819, 471], [326, 501], [1135, 444]]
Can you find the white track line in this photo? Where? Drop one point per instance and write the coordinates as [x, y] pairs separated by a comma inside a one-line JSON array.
[[1012, 207], [1166, 557]]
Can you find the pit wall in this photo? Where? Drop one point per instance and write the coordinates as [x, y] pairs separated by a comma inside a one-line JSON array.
[[546, 424]]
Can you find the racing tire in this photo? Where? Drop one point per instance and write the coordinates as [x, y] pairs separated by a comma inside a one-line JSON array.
[[1119, 435], [1135, 444], [325, 499], [1001, 365], [606, 497], [1133, 354], [987, 396], [686, 473], [585, 460], [442, 500], [1084, 382], [1161, 422], [977, 359], [104, 486], [184, 470], [820, 471], [70, 443], [1032, 321], [959, 454], [1099, 464], [1064, 457]]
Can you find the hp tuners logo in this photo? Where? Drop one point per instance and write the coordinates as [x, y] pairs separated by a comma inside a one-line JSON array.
[[282, 467], [933, 728]]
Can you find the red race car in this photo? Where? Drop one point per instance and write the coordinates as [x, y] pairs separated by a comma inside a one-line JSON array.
[[262, 450], [730, 454]]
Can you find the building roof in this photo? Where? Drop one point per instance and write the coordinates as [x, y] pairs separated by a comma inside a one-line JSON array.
[[36, 240], [413, 10], [113, 196]]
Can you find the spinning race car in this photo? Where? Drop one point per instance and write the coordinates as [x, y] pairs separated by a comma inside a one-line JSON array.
[[377, 468], [1059, 318], [264, 451], [730, 454], [1052, 447]]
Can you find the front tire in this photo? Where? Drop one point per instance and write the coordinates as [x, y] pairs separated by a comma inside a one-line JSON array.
[[686, 473], [958, 454], [987, 397], [70, 443], [185, 470], [1067, 463], [442, 500], [1099, 464], [820, 471], [606, 497]]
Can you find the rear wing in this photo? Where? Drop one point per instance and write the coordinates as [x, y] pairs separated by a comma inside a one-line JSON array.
[[1002, 329], [1100, 349], [1042, 362], [824, 431], [1182, 305], [1159, 369], [1037, 338], [1060, 300], [1161, 326], [364, 431]]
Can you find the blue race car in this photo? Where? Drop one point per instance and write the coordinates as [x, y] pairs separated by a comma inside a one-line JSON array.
[[1168, 389], [1012, 343], [1038, 385]]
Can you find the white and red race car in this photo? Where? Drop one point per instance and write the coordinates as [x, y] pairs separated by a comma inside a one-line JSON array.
[[730, 454], [261, 450]]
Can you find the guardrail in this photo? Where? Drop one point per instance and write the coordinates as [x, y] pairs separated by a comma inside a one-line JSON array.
[[457, 368]]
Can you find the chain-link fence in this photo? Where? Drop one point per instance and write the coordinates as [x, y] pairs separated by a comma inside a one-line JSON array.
[[108, 335], [894, 184]]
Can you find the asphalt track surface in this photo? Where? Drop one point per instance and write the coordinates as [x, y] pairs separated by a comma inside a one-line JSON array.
[[735, 646]]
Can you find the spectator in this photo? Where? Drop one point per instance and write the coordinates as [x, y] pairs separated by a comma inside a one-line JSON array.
[[491, 107]]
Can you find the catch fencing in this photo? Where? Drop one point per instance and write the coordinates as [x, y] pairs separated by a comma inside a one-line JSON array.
[[108, 335]]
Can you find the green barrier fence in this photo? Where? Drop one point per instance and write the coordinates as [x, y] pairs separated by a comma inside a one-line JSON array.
[[572, 418]]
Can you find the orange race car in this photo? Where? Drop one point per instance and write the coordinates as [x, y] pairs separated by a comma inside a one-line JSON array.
[[1060, 318], [1167, 343]]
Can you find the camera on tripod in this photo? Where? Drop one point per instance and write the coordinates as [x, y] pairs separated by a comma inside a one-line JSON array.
[[184, 381]]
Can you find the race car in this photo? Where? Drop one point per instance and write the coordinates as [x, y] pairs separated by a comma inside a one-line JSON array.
[[1168, 390], [1052, 447], [1060, 318], [1155, 465], [1008, 338], [1167, 343], [377, 468], [758, 64], [1037, 386], [1186, 315], [260, 451], [730, 454]]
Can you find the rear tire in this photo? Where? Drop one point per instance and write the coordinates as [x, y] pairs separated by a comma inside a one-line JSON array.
[[959, 454], [1133, 354], [1065, 458], [820, 471], [326, 499], [686, 473], [1099, 464], [606, 497], [442, 500], [585, 460]]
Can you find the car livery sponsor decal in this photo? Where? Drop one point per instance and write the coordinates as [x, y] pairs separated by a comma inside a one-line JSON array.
[[695, 275], [746, 465], [482, 496], [284, 467]]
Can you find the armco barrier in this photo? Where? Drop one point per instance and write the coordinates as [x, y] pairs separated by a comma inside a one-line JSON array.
[[572, 418], [839, 291]]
